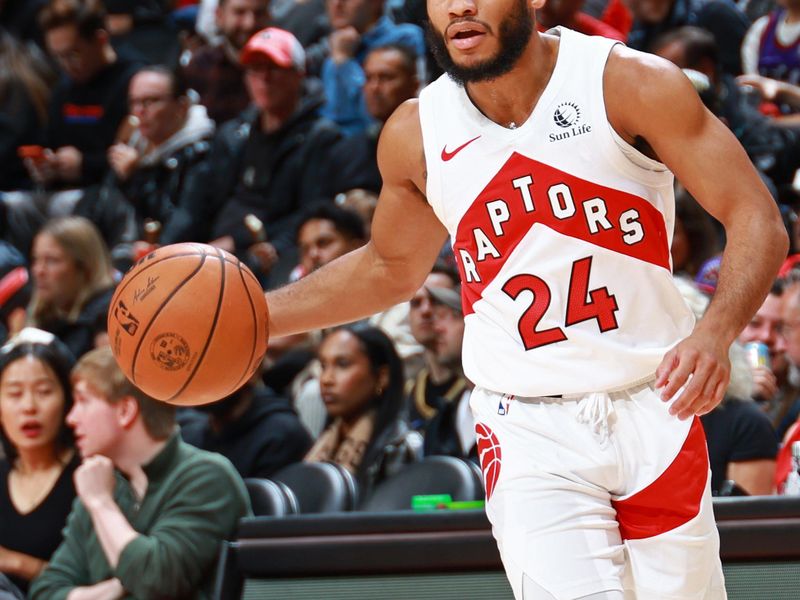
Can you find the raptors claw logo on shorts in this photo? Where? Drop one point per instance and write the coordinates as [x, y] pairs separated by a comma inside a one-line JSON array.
[[490, 455]]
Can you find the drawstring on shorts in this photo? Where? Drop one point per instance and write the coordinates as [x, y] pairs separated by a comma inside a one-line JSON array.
[[597, 411]]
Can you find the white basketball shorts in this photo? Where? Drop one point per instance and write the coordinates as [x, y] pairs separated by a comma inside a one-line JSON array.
[[598, 493]]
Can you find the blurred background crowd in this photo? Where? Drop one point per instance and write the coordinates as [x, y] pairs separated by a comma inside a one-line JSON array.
[[252, 125]]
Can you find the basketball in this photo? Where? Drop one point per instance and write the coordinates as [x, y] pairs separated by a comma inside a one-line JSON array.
[[188, 324]]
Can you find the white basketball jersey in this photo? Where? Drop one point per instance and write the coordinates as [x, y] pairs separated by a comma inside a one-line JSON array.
[[561, 231]]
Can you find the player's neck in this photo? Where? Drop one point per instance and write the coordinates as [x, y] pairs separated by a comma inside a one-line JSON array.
[[510, 99]]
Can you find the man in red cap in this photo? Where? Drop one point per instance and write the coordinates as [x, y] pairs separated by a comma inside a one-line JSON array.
[[273, 161]]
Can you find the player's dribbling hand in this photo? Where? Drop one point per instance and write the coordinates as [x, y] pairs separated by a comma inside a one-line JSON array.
[[703, 367], [94, 479]]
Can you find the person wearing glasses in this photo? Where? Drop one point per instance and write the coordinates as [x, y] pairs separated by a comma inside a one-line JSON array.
[[89, 103], [156, 168]]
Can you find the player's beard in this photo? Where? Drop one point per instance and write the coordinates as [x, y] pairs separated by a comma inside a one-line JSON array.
[[514, 34]]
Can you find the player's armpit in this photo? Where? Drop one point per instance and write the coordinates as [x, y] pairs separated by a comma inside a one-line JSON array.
[[650, 98]]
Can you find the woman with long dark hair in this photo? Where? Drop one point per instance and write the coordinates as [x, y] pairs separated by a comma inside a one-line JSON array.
[[36, 487], [362, 387], [24, 96]]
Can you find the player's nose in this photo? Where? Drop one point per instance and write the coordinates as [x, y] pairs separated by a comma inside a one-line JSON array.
[[461, 8]]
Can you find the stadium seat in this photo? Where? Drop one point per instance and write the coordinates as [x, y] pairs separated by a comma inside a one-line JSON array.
[[433, 475], [270, 498], [320, 487]]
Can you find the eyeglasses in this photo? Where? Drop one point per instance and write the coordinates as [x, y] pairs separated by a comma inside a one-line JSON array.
[[147, 102], [787, 326]]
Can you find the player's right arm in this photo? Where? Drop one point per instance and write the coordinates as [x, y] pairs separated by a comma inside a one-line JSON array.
[[406, 239]]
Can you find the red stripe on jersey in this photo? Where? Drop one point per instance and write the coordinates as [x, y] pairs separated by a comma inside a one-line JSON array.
[[671, 500], [602, 216]]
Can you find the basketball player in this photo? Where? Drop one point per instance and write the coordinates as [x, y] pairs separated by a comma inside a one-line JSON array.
[[548, 160]]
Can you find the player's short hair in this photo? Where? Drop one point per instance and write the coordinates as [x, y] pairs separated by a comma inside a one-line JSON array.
[[88, 16], [99, 369], [345, 221]]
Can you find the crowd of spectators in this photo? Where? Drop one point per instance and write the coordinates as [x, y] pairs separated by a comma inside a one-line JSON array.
[[252, 125]]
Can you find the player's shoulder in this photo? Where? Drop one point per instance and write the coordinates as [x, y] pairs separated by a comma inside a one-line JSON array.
[[628, 69], [638, 87], [404, 119], [402, 132]]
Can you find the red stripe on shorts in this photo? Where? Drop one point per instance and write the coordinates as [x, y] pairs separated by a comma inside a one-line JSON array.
[[672, 499]]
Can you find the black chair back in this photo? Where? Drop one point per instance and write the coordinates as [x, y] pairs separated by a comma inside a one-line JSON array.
[[320, 487], [270, 498], [432, 475]]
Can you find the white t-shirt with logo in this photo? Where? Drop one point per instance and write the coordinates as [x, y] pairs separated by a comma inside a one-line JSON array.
[[561, 231]]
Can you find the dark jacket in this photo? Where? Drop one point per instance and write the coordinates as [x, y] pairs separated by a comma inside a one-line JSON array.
[[391, 450], [88, 115], [272, 176], [164, 187], [78, 335], [266, 438]]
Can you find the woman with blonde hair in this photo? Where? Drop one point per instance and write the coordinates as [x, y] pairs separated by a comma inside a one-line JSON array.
[[72, 281]]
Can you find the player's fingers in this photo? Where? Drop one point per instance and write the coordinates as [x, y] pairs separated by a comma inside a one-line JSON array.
[[683, 406], [719, 395], [685, 363], [665, 368], [709, 375]]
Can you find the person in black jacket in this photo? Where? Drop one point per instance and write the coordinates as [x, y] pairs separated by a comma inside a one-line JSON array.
[[89, 102], [156, 168], [254, 428], [271, 162]]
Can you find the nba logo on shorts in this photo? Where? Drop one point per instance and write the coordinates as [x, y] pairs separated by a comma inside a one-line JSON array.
[[490, 456]]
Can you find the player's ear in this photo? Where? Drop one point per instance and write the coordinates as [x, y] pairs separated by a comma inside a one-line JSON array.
[[537, 4], [127, 411]]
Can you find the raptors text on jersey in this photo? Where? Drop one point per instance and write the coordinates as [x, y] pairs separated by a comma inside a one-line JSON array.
[[561, 232]]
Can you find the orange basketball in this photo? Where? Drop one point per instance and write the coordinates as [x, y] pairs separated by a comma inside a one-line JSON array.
[[188, 324]]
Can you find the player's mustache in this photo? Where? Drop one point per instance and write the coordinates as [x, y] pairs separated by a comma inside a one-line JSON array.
[[459, 20]]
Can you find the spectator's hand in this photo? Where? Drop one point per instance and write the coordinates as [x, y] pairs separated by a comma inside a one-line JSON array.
[[15, 322], [343, 43], [123, 159], [110, 589], [265, 254], [225, 242], [141, 249], [42, 169], [701, 364], [68, 163], [94, 480], [6, 561], [769, 89], [765, 384]]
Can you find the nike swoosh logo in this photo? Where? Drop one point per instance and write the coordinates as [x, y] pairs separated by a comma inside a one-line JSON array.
[[448, 155]]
